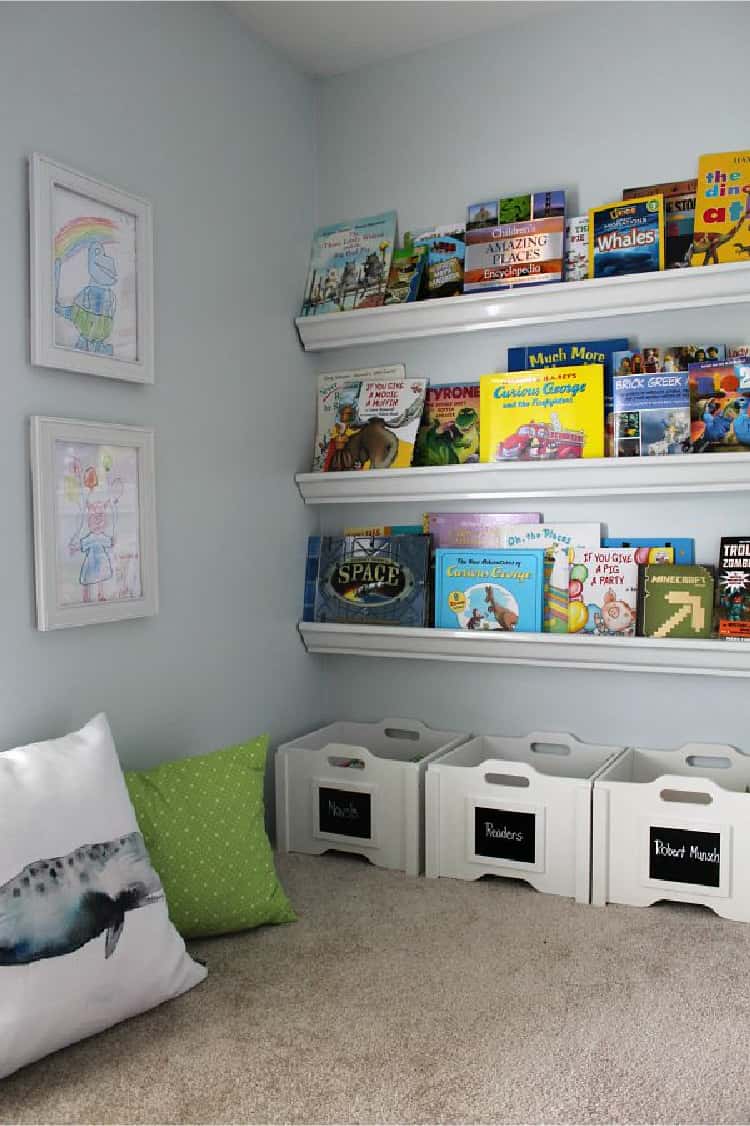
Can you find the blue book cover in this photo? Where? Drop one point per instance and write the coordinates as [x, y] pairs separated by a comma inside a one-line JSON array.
[[311, 578], [349, 265], [684, 549], [651, 414], [489, 590], [373, 580]]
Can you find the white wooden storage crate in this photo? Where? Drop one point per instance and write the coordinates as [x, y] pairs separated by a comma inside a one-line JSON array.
[[515, 807], [674, 824], [358, 787]]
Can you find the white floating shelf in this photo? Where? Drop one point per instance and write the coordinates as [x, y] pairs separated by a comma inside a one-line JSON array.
[[547, 304], [572, 651], [584, 477]]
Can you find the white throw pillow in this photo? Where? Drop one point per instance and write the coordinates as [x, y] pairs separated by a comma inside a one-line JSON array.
[[85, 938]]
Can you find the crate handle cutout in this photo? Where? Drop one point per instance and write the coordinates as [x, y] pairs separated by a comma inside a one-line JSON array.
[[507, 779], [692, 797], [401, 733], [550, 748], [342, 761], [709, 762]]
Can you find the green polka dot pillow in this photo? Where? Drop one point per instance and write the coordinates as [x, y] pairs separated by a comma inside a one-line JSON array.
[[203, 822]]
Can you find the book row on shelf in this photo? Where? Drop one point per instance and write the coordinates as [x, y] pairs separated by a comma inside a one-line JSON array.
[[522, 240]]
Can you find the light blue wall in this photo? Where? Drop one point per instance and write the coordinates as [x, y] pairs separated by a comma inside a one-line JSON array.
[[178, 103]]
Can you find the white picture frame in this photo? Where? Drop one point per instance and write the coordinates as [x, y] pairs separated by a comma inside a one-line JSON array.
[[91, 276], [94, 497]]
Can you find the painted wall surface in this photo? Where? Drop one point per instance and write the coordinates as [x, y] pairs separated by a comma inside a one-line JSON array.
[[177, 103], [559, 103]]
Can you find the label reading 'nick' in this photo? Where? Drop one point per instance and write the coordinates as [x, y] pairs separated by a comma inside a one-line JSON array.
[[684, 856], [345, 812], [505, 834]]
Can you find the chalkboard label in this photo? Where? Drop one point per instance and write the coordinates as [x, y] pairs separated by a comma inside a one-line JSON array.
[[505, 834], [684, 856], [344, 812]]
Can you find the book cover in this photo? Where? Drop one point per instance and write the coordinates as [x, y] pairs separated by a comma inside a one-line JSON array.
[[515, 241], [540, 415], [672, 357], [349, 265], [675, 601], [473, 529], [626, 238], [679, 217], [722, 217], [449, 431], [734, 352], [603, 591], [654, 550], [733, 588], [576, 260], [489, 590], [444, 270], [719, 407], [373, 580], [558, 542], [405, 275], [311, 578], [367, 419], [651, 414]]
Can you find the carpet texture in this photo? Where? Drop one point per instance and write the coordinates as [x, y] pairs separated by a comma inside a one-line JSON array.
[[397, 1000]]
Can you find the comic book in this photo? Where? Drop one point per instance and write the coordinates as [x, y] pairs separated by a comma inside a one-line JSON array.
[[679, 217], [489, 590], [719, 407], [473, 529], [651, 414], [558, 542], [654, 550], [549, 414], [733, 588], [722, 209], [444, 271], [373, 580], [405, 274], [367, 419], [675, 600], [515, 241], [576, 263], [349, 265], [449, 431], [626, 238], [603, 591]]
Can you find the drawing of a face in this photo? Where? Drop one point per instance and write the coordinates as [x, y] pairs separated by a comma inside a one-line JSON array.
[[90, 478]]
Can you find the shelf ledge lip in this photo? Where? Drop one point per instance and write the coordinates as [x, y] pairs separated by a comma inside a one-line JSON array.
[[557, 302]]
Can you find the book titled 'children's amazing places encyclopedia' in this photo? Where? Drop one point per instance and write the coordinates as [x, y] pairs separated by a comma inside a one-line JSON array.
[[515, 241], [626, 238], [349, 265]]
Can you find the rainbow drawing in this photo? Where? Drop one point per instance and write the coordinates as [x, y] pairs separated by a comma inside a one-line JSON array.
[[83, 232]]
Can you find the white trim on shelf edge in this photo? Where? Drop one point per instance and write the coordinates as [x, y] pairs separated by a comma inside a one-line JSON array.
[[692, 288], [571, 651]]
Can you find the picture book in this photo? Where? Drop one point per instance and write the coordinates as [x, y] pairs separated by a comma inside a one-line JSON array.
[[367, 419], [576, 259], [373, 580], [386, 530], [405, 274], [444, 269], [679, 216], [515, 241], [311, 578], [558, 542], [673, 357], [733, 588], [603, 591], [549, 414], [473, 529], [650, 550], [719, 407], [675, 600], [626, 238], [349, 265], [651, 414], [489, 590], [722, 209], [449, 431]]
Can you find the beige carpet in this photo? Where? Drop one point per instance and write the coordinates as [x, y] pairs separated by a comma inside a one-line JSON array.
[[416, 1001]]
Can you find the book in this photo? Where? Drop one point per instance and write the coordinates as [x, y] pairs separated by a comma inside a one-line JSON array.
[[734, 352], [675, 601], [405, 275], [679, 217], [473, 529], [311, 578], [489, 589], [546, 414], [349, 265], [515, 241], [449, 430], [733, 588], [650, 550], [444, 269], [558, 542], [603, 591], [367, 419], [719, 407], [672, 357], [373, 580], [626, 238], [576, 259], [722, 218], [651, 414]]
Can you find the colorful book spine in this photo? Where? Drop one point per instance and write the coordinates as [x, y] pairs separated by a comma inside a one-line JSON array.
[[577, 248], [626, 238]]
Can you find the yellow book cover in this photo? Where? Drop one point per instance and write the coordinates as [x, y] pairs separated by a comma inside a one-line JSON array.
[[547, 414], [722, 215]]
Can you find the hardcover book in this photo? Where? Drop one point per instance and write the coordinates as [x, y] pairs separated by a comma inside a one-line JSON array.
[[576, 263], [473, 529], [558, 542], [405, 274], [626, 238], [449, 431], [549, 414], [679, 217], [648, 550], [367, 419], [733, 588], [719, 407], [673, 357], [311, 578], [373, 580], [444, 270], [603, 591], [515, 241], [722, 226], [651, 414], [489, 590], [675, 601], [349, 265]]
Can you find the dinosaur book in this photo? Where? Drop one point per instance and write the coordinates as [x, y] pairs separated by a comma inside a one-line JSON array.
[[679, 217], [489, 590], [373, 580], [722, 210], [449, 430], [367, 419], [733, 588], [349, 265], [675, 600]]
